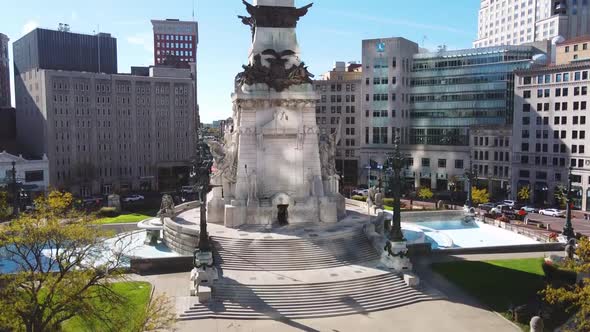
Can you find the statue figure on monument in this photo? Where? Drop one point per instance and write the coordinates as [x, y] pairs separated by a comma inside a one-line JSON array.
[[252, 187], [328, 154], [166, 207], [225, 159]]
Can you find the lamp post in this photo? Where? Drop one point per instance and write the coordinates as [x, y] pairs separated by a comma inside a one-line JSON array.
[[201, 177], [471, 175], [396, 162], [568, 229], [15, 193], [368, 168]]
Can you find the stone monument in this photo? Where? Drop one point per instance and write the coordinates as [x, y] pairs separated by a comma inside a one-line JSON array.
[[271, 167]]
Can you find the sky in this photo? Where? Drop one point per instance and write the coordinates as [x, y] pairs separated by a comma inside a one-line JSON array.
[[331, 31]]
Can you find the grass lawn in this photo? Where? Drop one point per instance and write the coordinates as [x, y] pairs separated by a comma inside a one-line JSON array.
[[497, 284], [137, 293], [124, 218]]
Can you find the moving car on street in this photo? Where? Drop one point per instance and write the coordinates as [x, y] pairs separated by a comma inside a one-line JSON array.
[[486, 207], [529, 209], [552, 212], [133, 198]]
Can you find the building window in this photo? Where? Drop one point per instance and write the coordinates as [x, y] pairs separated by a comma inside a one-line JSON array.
[[442, 163], [459, 164], [425, 162]]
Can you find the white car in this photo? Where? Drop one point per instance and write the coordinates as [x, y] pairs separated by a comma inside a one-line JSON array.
[[509, 203], [361, 192], [133, 198], [552, 212]]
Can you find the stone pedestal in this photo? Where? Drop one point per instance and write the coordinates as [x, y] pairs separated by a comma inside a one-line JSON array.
[[395, 258]]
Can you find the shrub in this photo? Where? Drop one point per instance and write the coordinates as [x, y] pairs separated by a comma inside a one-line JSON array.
[[108, 212], [359, 198], [425, 193], [558, 277], [388, 201]]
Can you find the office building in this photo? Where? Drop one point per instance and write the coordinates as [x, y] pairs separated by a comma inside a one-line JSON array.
[[31, 174], [338, 109], [491, 156], [175, 42], [64, 50], [8, 130], [514, 22], [385, 100], [4, 72], [452, 91], [550, 131]]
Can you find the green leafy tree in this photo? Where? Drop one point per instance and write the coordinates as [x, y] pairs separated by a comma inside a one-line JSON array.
[[524, 194], [560, 196], [479, 196], [4, 208], [75, 280], [576, 297], [425, 193]]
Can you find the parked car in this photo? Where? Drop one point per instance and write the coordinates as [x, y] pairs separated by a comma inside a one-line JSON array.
[[502, 209], [360, 192], [486, 206], [529, 209], [509, 203], [552, 212], [133, 198]]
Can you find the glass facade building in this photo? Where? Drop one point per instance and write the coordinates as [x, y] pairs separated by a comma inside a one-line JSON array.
[[453, 90]]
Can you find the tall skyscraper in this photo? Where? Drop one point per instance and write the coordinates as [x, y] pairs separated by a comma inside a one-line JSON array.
[[175, 42], [4, 72], [514, 22]]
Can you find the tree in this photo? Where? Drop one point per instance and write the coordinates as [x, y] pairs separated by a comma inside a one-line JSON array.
[[4, 208], [576, 297], [560, 195], [479, 196], [158, 316], [74, 279], [524, 194], [425, 193]]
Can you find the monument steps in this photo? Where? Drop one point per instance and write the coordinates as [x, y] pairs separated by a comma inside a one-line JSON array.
[[292, 254], [362, 295]]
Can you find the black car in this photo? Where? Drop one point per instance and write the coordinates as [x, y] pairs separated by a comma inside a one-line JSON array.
[[486, 207]]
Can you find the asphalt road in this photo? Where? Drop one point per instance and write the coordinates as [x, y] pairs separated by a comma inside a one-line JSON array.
[[580, 225]]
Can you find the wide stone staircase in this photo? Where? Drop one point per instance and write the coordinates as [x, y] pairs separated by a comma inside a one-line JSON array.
[[315, 300], [311, 276], [292, 254]]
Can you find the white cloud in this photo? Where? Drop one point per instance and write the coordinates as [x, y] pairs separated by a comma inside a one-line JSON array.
[[30, 26], [142, 39]]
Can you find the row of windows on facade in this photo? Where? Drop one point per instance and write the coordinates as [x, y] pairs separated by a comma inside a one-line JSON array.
[[383, 63], [478, 79], [442, 163], [557, 120], [443, 63], [174, 45], [557, 148], [335, 87], [385, 81], [380, 134], [500, 171], [556, 162], [173, 52], [385, 97], [121, 88], [554, 78], [174, 37], [485, 155], [335, 109], [477, 96], [485, 141], [544, 134], [540, 175], [337, 99], [577, 47], [563, 106], [385, 113], [334, 120]]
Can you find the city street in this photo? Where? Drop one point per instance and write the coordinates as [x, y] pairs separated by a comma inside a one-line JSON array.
[[556, 224]]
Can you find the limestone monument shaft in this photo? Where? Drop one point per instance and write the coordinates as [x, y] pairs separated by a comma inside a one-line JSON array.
[[269, 167]]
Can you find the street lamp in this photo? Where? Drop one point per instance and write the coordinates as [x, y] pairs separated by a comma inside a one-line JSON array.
[[396, 162], [368, 168], [568, 229], [201, 177], [471, 175]]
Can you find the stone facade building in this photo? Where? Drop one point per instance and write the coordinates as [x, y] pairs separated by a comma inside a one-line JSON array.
[[513, 22], [577, 49], [32, 174], [550, 131], [491, 156], [338, 108], [108, 133]]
